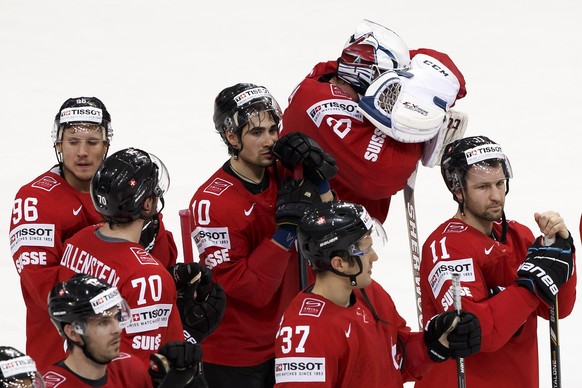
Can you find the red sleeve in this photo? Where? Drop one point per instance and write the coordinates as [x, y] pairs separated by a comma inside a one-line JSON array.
[[448, 62]]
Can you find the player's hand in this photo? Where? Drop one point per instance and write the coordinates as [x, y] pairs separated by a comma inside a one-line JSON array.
[[451, 335], [176, 364], [293, 200], [297, 148], [551, 224], [201, 317], [547, 268]]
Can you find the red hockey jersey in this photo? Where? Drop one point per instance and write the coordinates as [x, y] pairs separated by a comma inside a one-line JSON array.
[[321, 344], [509, 349], [144, 283], [46, 212], [123, 371], [233, 230]]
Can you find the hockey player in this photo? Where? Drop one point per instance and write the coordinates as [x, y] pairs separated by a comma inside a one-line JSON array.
[[245, 223], [377, 151], [57, 204], [501, 267], [127, 189], [91, 315], [344, 330], [17, 370]]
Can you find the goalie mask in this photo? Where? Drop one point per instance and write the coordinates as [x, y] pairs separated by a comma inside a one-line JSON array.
[[371, 51], [17, 370], [237, 104], [336, 228], [124, 181]]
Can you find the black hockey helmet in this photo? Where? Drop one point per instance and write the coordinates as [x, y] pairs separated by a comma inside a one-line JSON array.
[[84, 110], [237, 104], [124, 181], [82, 297], [471, 152], [17, 370], [372, 50], [333, 227]]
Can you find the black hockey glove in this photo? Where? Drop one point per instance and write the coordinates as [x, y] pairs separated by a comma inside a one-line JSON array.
[[447, 337], [201, 317], [298, 148], [192, 274], [293, 200], [177, 364], [546, 268], [149, 233]]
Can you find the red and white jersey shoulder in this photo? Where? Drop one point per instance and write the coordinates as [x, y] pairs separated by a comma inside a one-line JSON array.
[[321, 344], [144, 283], [123, 371]]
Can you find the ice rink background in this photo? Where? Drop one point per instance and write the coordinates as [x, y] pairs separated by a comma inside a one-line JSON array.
[[158, 66]]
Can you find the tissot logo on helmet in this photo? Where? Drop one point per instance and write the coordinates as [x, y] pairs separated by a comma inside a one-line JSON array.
[[251, 94]]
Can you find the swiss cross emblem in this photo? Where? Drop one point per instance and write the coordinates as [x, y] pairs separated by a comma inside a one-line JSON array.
[[132, 182]]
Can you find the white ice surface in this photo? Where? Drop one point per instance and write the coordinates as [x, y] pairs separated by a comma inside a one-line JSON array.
[[158, 65]]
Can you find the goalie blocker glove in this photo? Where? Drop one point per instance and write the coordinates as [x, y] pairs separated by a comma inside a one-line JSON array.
[[297, 148], [451, 335], [547, 268]]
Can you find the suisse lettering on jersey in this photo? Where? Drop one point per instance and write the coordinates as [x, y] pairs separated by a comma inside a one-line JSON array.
[[79, 261], [375, 145], [30, 258], [32, 235]]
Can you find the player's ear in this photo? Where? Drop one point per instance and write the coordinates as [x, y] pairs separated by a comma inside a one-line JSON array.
[[232, 139], [338, 264]]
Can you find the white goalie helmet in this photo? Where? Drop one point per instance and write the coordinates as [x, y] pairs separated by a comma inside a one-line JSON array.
[[372, 50]]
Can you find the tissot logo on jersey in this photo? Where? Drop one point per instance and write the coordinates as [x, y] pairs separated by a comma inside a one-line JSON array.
[[318, 111], [79, 261], [149, 318], [442, 272], [211, 237], [32, 235], [300, 369]]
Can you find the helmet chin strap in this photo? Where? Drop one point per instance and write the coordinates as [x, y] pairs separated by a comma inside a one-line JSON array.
[[352, 277]]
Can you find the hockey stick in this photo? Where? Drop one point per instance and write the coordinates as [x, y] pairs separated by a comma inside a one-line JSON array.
[[457, 304], [554, 335], [413, 240], [186, 235], [303, 276]]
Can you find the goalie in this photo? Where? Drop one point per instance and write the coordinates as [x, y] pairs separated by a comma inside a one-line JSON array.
[[378, 113]]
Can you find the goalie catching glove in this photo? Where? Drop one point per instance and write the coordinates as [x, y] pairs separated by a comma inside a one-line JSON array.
[[547, 268], [410, 106]]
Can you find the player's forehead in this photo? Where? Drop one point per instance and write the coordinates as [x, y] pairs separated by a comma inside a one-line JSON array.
[[485, 173], [82, 131], [260, 119]]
